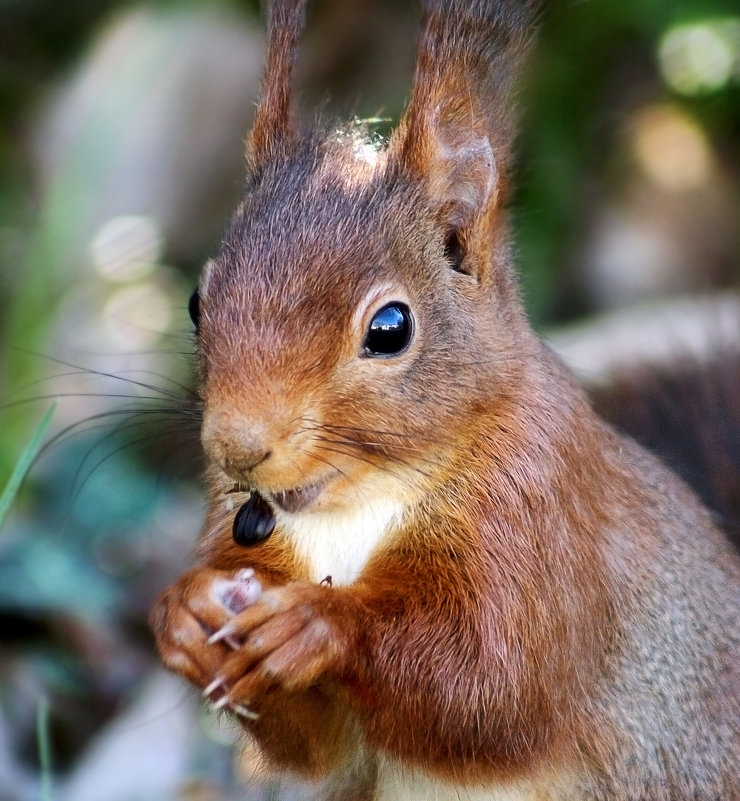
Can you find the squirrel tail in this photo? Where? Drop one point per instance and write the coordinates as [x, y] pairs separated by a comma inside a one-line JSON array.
[[686, 411]]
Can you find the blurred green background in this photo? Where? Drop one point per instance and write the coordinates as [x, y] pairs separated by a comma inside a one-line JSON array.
[[120, 158]]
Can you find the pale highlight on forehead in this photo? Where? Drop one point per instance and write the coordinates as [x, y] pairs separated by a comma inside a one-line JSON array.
[[353, 158]]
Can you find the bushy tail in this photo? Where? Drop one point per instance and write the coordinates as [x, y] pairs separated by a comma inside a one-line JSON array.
[[688, 413]]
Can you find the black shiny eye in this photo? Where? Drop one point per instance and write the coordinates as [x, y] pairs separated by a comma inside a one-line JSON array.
[[390, 330], [194, 308]]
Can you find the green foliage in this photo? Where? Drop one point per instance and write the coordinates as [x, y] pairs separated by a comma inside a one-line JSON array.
[[76, 555]]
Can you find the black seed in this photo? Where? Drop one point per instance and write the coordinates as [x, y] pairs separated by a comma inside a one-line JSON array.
[[254, 522]]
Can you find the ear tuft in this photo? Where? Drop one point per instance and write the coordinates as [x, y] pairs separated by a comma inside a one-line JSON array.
[[457, 133], [272, 124]]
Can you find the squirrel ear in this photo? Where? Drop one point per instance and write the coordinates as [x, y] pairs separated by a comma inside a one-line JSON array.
[[272, 126], [458, 130], [454, 154]]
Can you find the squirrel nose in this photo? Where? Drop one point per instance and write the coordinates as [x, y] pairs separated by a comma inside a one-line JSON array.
[[244, 462], [238, 446]]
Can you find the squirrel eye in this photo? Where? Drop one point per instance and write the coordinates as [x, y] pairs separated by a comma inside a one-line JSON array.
[[194, 308], [390, 331]]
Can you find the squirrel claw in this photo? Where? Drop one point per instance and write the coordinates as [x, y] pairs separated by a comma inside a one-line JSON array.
[[223, 633], [222, 702], [213, 686], [244, 712]]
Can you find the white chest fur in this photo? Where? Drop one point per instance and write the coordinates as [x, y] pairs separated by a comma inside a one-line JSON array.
[[400, 784], [339, 544], [397, 783]]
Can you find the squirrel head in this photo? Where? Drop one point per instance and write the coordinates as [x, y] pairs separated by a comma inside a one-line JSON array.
[[361, 317]]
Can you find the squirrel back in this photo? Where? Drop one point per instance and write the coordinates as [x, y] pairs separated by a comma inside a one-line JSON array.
[[428, 569]]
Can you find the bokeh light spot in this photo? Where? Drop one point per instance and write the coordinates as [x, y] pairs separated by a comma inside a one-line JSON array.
[[126, 248], [702, 57], [671, 148]]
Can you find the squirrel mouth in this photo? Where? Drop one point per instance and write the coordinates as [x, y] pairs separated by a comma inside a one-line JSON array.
[[296, 500]]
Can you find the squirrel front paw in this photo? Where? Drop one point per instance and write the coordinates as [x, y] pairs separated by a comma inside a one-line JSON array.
[[290, 639], [200, 603], [238, 642]]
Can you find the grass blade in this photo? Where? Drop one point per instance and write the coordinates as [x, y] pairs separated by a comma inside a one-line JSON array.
[[23, 465], [44, 745]]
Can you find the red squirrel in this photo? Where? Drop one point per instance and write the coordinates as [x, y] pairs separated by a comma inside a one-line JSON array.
[[428, 570]]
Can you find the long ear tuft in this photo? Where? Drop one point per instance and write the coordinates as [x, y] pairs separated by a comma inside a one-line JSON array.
[[272, 124], [458, 130]]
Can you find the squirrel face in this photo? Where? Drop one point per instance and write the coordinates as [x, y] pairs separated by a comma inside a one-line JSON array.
[[332, 325]]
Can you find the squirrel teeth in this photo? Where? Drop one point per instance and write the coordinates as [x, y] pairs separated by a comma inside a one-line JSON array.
[[296, 500], [255, 520]]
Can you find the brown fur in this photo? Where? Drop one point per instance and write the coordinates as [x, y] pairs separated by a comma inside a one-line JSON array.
[[543, 611]]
